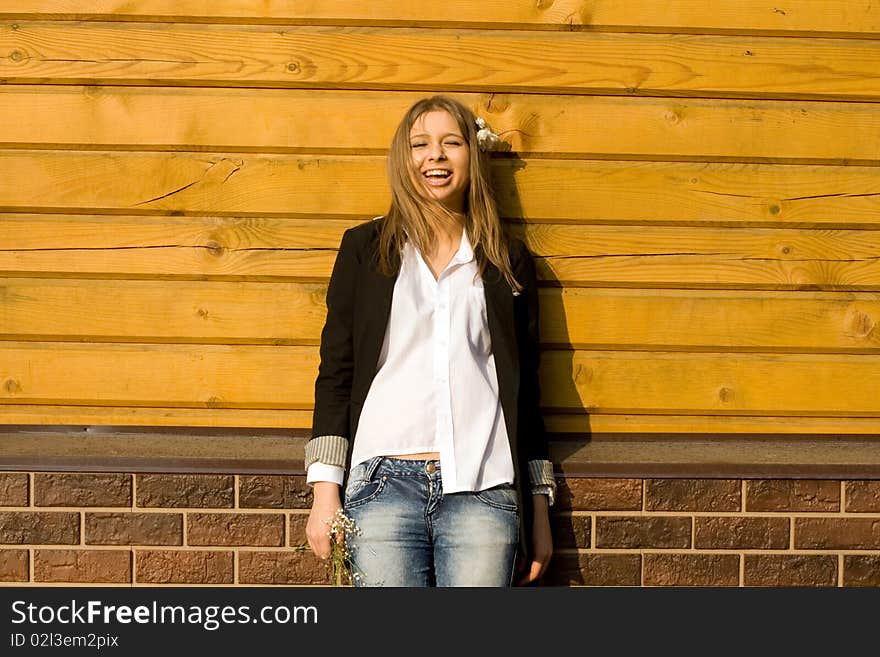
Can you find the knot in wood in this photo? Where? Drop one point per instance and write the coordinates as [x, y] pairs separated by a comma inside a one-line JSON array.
[[12, 386], [860, 324], [215, 249], [583, 374], [16, 55], [293, 67], [725, 395], [774, 209], [673, 116], [214, 402]]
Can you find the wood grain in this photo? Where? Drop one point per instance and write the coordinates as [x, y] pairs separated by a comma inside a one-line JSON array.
[[261, 377], [104, 418], [404, 58], [534, 190], [822, 16], [293, 314], [279, 249], [333, 122]]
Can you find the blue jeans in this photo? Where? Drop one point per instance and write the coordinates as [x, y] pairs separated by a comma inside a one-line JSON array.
[[414, 535]]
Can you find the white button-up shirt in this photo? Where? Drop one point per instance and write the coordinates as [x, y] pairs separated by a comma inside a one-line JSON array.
[[436, 389]]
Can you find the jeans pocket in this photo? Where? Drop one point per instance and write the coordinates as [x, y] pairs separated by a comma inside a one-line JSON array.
[[363, 484], [500, 497]]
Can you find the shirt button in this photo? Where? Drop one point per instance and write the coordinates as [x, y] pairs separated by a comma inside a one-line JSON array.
[[430, 468]]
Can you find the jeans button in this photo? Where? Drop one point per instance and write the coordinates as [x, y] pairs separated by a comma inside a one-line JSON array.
[[430, 468]]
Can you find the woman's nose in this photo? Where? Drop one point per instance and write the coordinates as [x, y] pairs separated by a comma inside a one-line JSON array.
[[435, 152]]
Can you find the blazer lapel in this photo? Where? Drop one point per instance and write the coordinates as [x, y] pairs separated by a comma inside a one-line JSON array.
[[374, 305], [500, 314]]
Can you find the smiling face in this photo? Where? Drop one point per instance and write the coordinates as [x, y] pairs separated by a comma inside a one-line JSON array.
[[442, 158]]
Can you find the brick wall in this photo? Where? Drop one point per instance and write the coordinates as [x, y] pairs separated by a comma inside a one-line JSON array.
[[111, 528], [717, 532], [155, 529]]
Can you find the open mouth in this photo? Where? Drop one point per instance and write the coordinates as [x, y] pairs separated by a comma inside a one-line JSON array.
[[437, 176]]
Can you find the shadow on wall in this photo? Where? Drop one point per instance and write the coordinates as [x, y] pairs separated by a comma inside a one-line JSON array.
[[506, 165]]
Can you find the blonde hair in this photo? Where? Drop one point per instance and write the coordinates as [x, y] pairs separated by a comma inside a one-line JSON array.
[[414, 214]]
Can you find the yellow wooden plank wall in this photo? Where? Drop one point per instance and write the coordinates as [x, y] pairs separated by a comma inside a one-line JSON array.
[[699, 180]]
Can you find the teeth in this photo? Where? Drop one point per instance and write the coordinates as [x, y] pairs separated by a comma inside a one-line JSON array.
[[437, 172]]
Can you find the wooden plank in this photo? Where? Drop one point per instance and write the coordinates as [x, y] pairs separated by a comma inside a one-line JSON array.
[[704, 257], [599, 424], [207, 376], [126, 449], [727, 384], [319, 121], [576, 424], [809, 458], [435, 60], [594, 190], [293, 314], [154, 416], [852, 16], [273, 248], [246, 376], [219, 248], [708, 320], [163, 311]]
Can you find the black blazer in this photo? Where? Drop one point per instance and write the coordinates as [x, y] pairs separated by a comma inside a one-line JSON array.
[[358, 308]]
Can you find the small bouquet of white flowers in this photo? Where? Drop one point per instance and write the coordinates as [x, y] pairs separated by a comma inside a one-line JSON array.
[[343, 570]]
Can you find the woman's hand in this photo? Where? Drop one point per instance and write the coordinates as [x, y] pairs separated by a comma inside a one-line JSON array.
[[325, 503], [542, 541]]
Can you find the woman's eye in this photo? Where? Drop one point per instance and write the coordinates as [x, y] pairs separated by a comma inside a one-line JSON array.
[[418, 145]]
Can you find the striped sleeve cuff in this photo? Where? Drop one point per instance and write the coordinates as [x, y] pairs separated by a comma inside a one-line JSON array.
[[330, 450], [542, 480]]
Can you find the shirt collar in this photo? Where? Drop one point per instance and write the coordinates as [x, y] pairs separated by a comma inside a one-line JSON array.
[[465, 251], [464, 254]]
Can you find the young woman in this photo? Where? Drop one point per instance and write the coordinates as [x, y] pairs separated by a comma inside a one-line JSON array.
[[427, 392]]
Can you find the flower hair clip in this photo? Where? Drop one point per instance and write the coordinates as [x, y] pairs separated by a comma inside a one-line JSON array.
[[487, 140]]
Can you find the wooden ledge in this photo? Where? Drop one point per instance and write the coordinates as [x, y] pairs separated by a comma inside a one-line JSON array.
[[274, 451]]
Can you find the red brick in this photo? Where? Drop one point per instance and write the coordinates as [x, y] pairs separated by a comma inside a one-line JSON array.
[[643, 532], [837, 533], [863, 496], [598, 494], [13, 489], [594, 570], [79, 489], [790, 570], [183, 567], [691, 569], [47, 527], [297, 535], [693, 495], [265, 529], [741, 533], [283, 567], [13, 565], [274, 492], [570, 531], [82, 566], [134, 529], [861, 570], [792, 495], [186, 491]]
